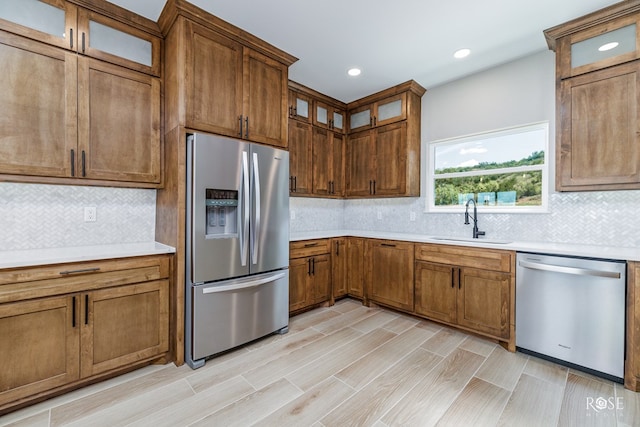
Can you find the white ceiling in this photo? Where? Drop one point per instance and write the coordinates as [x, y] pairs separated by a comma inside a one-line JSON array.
[[392, 41]]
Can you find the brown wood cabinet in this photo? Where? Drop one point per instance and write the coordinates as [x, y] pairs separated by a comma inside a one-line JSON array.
[[66, 325], [328, 163], [632, 348], [356, 268], [378, 162], [383, 146], [221, 79], [74, 119], [316, 143], [389, 273], [467, 287], [300, 158], [309, 274], [328, 116], [598, 107], [339, 268], [300, 105]]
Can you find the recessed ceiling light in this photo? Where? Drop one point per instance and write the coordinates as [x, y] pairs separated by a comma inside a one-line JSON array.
[[608, 46], [461, 53], [354, 72]]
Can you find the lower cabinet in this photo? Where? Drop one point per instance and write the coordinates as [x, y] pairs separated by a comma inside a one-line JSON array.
[[476, 299], [339, 268], [389, 273], [309, 274], [64, 325], [355, 267], [467, 287]]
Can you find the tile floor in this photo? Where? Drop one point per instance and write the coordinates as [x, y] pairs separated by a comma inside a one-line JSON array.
[[349, 365]]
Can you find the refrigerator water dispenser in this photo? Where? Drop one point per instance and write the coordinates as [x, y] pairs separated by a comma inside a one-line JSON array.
[[222, 213]]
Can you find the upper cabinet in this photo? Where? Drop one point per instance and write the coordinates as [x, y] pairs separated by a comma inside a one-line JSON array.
[[300, 106], [598, 112], [384, 154], [328, 116], [63, 24], [316, 143], [221, 79], [391, 109], [88, 111]]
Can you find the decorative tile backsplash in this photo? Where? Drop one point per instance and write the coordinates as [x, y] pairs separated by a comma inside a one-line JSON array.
[[590, 218], [34, 216]]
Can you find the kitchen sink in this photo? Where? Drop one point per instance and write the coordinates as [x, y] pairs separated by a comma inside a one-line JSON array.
[[464, 239]]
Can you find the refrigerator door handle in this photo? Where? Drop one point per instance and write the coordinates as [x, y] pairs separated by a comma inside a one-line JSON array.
[[256, 226], [243, 284], [244, 237]]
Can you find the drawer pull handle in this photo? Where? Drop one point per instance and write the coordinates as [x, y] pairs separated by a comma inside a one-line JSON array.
[[310, 245], [388, 245], [83, 270]]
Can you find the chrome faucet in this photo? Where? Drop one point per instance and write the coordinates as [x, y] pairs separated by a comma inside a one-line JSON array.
[[476, 232]]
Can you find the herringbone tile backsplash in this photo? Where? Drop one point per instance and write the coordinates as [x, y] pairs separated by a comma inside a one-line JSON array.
[[588, 218], [36, 216]]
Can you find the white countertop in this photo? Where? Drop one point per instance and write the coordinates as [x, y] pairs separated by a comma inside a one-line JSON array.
[[590, 251], [32, 257]]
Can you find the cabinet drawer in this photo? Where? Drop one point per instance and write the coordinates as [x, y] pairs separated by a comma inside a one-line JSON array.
[[309, 248], [48, 280], [486, 259]]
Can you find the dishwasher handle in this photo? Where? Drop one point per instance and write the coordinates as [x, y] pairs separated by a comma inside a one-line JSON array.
[[569, 270]]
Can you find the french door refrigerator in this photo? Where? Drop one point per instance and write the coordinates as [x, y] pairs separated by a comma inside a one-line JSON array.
[[237, 249]]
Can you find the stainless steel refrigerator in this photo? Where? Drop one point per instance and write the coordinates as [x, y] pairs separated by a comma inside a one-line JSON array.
[[237, 251]]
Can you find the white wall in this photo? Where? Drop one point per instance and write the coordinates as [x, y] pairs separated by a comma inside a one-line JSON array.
[[516, 93]]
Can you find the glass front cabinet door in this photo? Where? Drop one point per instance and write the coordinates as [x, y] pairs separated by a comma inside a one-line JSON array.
[[599, 47], [65, 25]]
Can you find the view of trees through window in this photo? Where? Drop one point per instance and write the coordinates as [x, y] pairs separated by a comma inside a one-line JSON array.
[[501, 169]]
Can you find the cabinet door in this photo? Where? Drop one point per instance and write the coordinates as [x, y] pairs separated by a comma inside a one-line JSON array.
[[360, 174], [124, 325], [484, 301], [118, 123], [436, 290], [39, 346], [322, 162], [213, 66], [337, 164], [265, 99], [300, 158], [328, 117], [112, 41], [391, 173], [355, 272], [339, 263], [390, 110], [38, 92], [299, 106], [49, 21], [599, 138], [361, 118], [390, 273], [299, 293], [321, 277], [337, 121]]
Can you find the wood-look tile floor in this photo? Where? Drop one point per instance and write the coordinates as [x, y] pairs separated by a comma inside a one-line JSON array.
[[349, 365]]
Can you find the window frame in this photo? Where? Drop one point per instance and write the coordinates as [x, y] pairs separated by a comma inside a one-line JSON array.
[[544, 168]]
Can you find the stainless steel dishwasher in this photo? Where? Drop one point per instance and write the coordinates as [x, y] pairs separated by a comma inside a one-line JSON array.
[[572, 310]]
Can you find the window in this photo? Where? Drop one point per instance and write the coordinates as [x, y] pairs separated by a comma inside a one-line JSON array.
[[503, 171]]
